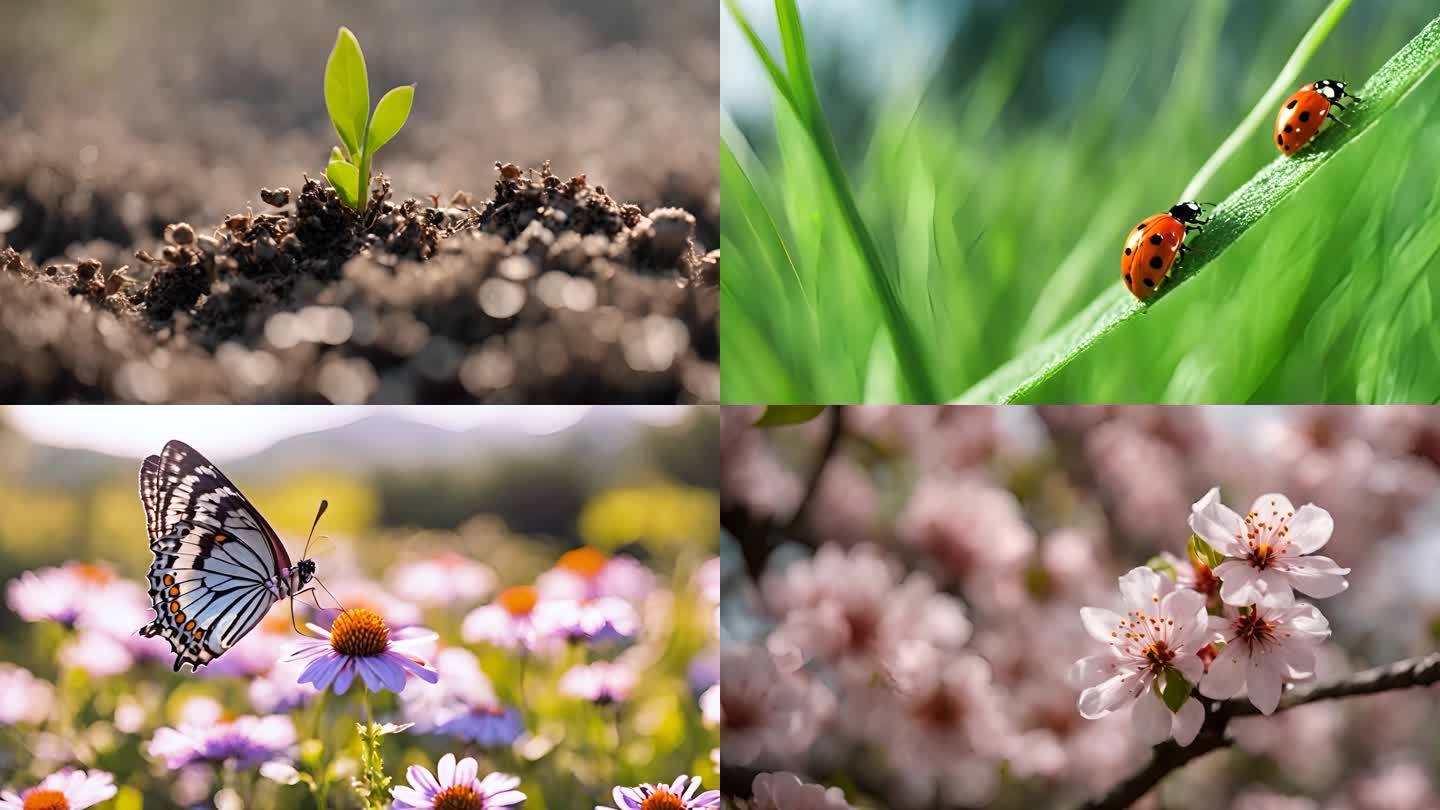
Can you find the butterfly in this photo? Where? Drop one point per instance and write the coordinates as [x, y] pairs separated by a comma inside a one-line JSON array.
[[218, 565]]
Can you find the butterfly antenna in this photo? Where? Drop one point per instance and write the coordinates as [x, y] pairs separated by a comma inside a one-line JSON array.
[[324, 504]]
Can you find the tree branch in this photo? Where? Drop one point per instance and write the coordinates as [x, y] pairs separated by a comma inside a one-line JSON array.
[[752, 533], [1169, 757]]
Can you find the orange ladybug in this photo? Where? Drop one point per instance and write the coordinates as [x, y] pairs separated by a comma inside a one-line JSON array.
[[1154, 245], [1303, 113]]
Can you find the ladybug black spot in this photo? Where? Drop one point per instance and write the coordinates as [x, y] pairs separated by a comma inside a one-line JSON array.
[[1127, 251], [1280, 139], [1155, 239], [1156, 262], [1140, 227], [1148, 282], [1127, 279], [1288, 127], [1305, 116], [1291, 105]]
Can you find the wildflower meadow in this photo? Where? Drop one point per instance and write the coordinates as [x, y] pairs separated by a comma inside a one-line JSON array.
[[500, 620], [1095, 607]]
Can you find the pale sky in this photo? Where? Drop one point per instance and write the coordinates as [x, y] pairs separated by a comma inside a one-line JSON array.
[[135, 430]]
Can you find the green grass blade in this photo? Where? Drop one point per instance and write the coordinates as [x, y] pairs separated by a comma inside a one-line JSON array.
[[1232, 218], [347, 92], [797, 88], [1264, 109]]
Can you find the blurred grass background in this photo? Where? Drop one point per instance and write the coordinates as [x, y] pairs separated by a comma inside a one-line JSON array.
[[1000, 151]]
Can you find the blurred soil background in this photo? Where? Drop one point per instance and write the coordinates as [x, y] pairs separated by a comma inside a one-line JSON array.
[[117, 120]]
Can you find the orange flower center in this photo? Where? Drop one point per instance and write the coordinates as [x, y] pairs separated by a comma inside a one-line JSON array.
[[585, 561], [459, 797], [46, 800], [519, 600], [662, 800], [359, 632], [98, 574]]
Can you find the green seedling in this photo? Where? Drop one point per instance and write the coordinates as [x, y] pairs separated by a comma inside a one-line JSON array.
[[347, 98]]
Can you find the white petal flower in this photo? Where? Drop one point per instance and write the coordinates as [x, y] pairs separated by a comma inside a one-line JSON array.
[[1162, 631], [1265, 648], [1266, 550]]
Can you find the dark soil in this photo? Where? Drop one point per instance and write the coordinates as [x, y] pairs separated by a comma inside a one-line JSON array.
[[550, 291]]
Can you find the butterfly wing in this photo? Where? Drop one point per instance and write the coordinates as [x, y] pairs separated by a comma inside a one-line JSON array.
[[215, 556]]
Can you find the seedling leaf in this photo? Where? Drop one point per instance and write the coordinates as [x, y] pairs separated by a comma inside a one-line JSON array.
[[390, 115], [345, 177], [336, 154], [347, 91]]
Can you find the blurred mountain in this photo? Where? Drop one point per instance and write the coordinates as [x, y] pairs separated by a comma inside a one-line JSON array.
[[384, 441]]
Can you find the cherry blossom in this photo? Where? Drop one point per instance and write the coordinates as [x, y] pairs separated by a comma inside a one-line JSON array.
[[1161, 632], [1269, 550], [1265, 648]]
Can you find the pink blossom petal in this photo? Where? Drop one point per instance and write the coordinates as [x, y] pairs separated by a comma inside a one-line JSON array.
[[1188, 721], [1267, 505], [1100, 623], [1141, 585], [1227, 674], [1089, 671], [1310, 529], [1262, 680], [1299, 660], [1151, 719], [1274, 587], [1238, 583], [1218, 525], [1109, 695], [1191, 667], [1319, 577]]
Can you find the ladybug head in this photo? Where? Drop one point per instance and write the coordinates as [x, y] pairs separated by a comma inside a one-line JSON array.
[[1330, 89], [1186, 211]]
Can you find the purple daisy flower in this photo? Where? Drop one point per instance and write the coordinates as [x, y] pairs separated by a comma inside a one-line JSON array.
[[62, 594], [454, 786], [245, 742], [678, 795], [601, 682], [359, 641], [464, 705], [487, 727], [596, 621], [63, 790]]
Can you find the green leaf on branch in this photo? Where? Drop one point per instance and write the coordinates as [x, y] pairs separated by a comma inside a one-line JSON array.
[[783, 415], [1202, 552], [1163, 565], [1177, 690]]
